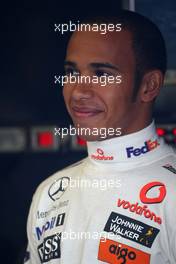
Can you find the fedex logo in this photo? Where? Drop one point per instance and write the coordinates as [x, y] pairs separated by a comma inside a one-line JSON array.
[[148, 146]]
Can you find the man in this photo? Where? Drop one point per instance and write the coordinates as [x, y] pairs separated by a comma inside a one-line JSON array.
[[134, 217]]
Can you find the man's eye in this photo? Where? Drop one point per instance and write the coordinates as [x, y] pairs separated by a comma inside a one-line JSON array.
[[71, 71], [100, 73]]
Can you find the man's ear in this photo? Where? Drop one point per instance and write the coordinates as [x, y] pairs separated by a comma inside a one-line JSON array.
[[151, 85]]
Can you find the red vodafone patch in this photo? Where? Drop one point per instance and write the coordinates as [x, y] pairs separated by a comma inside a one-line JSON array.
[[158, 199], [117, 253]]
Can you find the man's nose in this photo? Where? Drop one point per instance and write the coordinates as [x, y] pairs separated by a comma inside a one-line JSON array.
[[82, 91]]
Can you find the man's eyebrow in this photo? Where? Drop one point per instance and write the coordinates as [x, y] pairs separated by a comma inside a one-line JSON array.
[[104, 65], [93, 65], [69, 63]]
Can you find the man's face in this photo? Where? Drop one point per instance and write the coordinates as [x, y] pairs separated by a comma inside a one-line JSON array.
[[92, 105]]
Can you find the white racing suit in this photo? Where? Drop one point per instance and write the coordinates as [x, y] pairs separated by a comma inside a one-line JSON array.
[[116, 206]]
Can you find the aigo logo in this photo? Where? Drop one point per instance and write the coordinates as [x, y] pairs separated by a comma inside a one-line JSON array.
[[100, 155], [117, 253], [122, 252], [148, 187]]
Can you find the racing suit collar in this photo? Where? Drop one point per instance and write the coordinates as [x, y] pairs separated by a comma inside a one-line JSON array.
[[138, 146]]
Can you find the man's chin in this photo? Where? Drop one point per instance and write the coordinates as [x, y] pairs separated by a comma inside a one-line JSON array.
[[90, 132]]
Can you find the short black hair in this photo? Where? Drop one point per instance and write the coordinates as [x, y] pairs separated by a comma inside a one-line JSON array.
[[147, 41]]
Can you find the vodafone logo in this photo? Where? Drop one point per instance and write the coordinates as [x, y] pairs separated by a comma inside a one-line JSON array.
[[100, 155], [158, 187], [100, 151], [152, 192], [136, 208]]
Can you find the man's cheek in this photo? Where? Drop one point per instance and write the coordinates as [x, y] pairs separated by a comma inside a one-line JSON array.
[[63, 92], [65, 95], [66, 100]]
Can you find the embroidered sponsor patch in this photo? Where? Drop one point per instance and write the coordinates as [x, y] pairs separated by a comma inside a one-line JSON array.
[[117, 253], [131, 229], [50, 248]]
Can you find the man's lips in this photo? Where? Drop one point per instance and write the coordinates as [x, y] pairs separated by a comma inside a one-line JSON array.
[[85, 111]]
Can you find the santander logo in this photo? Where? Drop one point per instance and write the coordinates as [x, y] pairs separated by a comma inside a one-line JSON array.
[[100, 155]]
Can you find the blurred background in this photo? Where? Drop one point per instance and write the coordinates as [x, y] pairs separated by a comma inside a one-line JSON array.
[[31, 103]]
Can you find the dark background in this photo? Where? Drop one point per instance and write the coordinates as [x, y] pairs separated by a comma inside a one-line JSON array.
[[31, 54]]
